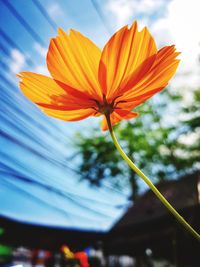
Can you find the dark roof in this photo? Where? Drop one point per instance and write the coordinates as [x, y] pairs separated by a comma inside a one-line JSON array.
[[148, 224], [182, 193]]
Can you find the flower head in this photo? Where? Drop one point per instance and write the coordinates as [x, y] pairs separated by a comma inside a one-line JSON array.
[[89, 82]]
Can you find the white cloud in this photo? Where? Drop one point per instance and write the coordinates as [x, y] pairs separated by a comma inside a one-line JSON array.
[[121, 10], [40, 49], [180, 26], [18, 61], [54, 10], [41, 69], [126, 11], [190, 138]]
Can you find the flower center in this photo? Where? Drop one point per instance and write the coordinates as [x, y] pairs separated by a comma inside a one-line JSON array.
[[105, 107]]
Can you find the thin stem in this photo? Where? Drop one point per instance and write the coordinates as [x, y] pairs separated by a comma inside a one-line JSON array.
[[149, 183]]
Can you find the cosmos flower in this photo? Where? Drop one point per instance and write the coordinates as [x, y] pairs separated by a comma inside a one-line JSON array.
[[89, 82]]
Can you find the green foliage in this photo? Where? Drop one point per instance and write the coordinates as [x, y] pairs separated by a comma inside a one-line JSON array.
[[153, 143], [96, 152]]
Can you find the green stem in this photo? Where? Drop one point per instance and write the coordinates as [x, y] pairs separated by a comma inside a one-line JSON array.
[[150, 184]]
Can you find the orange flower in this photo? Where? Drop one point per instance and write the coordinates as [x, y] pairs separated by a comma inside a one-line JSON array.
[[90, 82]]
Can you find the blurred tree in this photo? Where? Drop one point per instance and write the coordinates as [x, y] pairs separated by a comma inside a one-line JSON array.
[[152, 140]]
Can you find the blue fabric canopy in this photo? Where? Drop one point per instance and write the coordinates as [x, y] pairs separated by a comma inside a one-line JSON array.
[[38, 184]]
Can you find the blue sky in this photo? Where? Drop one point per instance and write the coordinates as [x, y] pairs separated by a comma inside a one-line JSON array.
[[35, 149]]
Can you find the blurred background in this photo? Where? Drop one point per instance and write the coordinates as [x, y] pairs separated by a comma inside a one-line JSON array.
[[63, 187]]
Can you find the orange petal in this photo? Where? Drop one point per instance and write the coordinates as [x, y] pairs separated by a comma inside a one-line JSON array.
[[154, 80], [137, 100], [73, 59], [117, 116], [46, 92], [38, 88], [122, 55], [69, 115]]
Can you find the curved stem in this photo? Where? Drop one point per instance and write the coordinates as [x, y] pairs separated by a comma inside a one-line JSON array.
[[150, 184]]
